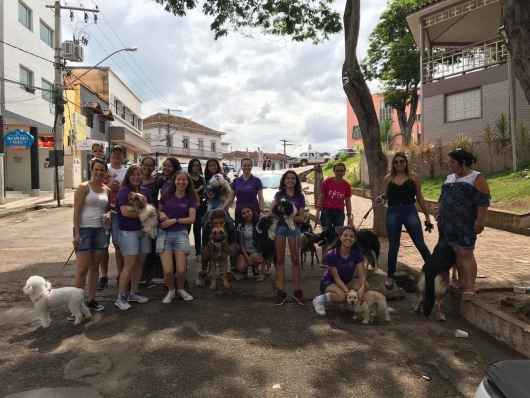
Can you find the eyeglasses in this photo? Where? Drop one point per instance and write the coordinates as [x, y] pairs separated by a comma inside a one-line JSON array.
[[98, 150], [400, 161]]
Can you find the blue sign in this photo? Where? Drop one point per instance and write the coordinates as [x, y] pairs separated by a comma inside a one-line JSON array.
[[18, 139]]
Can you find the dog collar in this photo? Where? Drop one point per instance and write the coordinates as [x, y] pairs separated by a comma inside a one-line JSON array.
[[43, 293]]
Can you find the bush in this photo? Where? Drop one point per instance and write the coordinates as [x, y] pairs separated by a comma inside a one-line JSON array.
[[343, 157]]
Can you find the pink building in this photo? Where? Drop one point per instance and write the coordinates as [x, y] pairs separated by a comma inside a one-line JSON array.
[[384, 112]]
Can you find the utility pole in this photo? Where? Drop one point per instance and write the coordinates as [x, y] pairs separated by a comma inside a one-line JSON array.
[[285, 144], [59, 99], [168, 134]]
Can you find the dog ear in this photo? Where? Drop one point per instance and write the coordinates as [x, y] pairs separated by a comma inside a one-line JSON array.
[[143, 200], [47, 285]]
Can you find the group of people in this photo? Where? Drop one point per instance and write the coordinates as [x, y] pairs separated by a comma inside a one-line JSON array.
[[181, 200]]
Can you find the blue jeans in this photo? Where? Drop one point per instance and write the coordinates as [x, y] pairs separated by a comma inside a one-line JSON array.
[[397, 217]]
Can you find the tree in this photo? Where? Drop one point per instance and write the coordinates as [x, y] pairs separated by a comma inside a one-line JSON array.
[[394, 59], [308, 20], [516, 19], [488, 134]]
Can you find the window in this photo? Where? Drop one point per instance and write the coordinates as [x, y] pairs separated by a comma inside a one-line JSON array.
[[201, 144], [255, 164], [466, 105], [102, 126], [26, 78], [356, 132], [385, 112], [24, 15], [89, 119], [47, 94], [46, 34], [417, 117], [212, 145], [186, 142]]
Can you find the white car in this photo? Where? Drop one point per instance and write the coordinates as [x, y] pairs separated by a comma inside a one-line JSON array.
[[505, 379]]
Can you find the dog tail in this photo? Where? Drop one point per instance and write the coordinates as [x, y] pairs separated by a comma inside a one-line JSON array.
[[376, 248], [428, 302]]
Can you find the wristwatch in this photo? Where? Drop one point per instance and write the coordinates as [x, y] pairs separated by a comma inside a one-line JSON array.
[[178, 220]]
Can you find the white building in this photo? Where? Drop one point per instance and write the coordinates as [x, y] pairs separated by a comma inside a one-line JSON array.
[[188, 139], [25, 90], [226, 147]]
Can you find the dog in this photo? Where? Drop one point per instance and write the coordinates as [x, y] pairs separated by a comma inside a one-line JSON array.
[[217, 191], [286, 210], [218, 257], [434, 278], [138, 203], [265, 246], [307, 245], [371, 298], [44, 298]]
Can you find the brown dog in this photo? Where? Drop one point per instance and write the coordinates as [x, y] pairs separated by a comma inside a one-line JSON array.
[[307, 245], [218, 257], [138, 203]]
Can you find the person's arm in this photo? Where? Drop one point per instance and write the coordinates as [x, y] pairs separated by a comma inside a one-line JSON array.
[[107, 209], [362, 279], [482, 186], [300, 217], [229, 200], [384, 197], [114, 186], [242, 247], [161, 215], [172, 221], [261, 202], [229, 249], [127, 213], [419, 197], [349, 214], [338, 281], [271, 214], [79, 202], [320, 200]]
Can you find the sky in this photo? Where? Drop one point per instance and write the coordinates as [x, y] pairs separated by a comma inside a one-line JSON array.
[[256, 89]]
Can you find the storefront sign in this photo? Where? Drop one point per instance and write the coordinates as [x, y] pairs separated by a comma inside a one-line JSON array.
[[18, 139], [86, 145], [79, 126]]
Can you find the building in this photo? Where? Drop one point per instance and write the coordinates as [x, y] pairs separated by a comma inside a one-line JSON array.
[[464, 64], [26, 93], [278, 161], [226, 147], [127, 128], [188, 139], [384, 112]]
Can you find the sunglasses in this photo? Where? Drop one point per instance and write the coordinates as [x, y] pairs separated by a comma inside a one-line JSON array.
[[400, 161], [98, 150]]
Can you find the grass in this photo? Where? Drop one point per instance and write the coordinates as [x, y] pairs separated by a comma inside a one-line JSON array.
[[509, 190], [353, 170]]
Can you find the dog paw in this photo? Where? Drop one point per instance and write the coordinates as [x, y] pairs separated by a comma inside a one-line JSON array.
[[418, 310], [226, 284], [261, 278], [365, 322], [387, 319], [441, 318], [88, 316], [213, 286], [77, 322]]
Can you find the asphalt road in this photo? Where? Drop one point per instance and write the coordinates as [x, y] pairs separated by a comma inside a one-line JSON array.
[[226, 343]]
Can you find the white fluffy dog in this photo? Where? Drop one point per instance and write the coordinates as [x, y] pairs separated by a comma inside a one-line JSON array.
[[44, 297], [138, 203], [370, 298], [218, 181]]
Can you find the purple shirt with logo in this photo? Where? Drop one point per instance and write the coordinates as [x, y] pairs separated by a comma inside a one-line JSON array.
[[247, 192], [127, 223], [345, 266], [175, 207], [298, 201]]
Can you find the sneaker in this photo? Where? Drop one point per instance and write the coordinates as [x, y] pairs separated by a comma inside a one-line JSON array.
[[255, 273], [122, 303], [102, 283], [201, 280], [319, 307], [169, 297], [237, 275], [136, 297], [185, 295], [71, 317], [299, 297], [95, 306], [323, 263], [281, 297], [150, 284]]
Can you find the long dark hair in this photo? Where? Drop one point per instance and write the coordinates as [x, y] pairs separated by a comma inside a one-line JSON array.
[[463, 157], [127, 179], [190, 166], [207, 173], [189, 192], [176, 167], [337, 243], [255, 217], [297, 185]]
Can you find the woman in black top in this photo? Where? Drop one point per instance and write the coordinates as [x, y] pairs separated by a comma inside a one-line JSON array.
[[199, 183], [402, 190]]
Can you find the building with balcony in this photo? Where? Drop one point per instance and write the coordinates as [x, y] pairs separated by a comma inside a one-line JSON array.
[[464, 68], [278, 160], [187, 139]]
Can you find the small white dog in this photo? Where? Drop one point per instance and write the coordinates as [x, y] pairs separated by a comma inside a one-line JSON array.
[[44, 297], [138, 203], [370, 298]]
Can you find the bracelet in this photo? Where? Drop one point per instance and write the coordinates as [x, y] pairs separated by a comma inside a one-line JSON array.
[[436, 208], [318, 207]]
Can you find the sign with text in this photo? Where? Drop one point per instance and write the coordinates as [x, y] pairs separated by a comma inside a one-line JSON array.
[[79, 126], [18, 139]]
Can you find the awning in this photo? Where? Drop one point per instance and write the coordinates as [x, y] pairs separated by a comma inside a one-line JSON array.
[[108, 115], [11, 124], [120, 135], [95, 107]]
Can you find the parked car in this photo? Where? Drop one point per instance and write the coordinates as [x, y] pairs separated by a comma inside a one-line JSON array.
[[351, 152], [505, 379], [228, 167], [306, 158]]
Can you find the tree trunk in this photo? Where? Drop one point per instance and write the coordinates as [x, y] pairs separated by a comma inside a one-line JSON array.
[[516, 19], [360, 99], [406, 122]]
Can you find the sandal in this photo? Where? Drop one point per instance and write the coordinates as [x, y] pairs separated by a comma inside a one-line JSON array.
[[469, 296]]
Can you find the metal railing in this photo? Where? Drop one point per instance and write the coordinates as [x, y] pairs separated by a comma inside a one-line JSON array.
[[194, 153], [463, 60]]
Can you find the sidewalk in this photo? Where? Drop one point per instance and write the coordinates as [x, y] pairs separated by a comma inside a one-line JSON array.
[[36, 203]]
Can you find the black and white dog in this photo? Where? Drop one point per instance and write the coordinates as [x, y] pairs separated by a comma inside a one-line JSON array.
[[285, 209]]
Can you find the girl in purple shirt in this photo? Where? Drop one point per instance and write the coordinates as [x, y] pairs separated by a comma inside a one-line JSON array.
[[177, 210], [345, 271]]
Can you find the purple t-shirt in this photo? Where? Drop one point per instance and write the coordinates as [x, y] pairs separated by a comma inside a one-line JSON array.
[[298, 201], [247, 192], [345, 266], [127, 223], [178, 208], [166, 185]]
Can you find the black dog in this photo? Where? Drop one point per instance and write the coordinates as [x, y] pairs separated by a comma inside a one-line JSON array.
[[263, 243], [434, 278], [283, 208]]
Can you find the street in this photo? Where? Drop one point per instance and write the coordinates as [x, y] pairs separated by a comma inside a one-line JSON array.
[[225, 343]]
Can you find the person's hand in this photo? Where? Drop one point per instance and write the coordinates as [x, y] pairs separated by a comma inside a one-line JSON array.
[[428, 225], [317, 217], [350, 222], [249, 261], [201, 188], [168, 222], [436, 214], [360, 293], [479, 227], [114, 186], [76, 241], [162, 216], [379, 199]]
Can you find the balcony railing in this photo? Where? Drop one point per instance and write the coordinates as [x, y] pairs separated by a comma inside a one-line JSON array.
[[194, 153], [463, 60]]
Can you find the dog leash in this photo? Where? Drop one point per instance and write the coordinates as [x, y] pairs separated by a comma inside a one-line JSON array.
[[64, 266], [366, 215]]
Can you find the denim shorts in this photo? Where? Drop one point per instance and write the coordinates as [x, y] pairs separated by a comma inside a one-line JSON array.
[[324, 285], [464, 242], [283, 231], [332, 218], [114, 230], [173, 240], [92, 239], [133, 243]]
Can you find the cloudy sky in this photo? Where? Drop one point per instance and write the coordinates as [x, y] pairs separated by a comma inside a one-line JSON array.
[[257, 90]]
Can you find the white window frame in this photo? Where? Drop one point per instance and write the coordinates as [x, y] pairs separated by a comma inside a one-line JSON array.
[[31, 75], [185, 142], [48, 32], [213, 146], [463, 105], [200, 144], [47, 94], [29, 15]]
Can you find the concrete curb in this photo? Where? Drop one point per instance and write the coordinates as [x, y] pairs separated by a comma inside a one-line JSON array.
[[34, 207]]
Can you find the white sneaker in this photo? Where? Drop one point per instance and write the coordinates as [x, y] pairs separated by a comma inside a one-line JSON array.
[[184, 294], [136, 297], [169, 296], [319, 307], [122, 303]]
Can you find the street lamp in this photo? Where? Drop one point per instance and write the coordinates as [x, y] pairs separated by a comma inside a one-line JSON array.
[[502, 32]]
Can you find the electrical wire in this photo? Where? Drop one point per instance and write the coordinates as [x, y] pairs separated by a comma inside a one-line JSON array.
[[30, 53]]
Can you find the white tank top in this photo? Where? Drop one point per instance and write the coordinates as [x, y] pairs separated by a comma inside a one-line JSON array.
[[93, 209]]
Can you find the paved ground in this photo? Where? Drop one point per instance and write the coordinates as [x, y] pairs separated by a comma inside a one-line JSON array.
[[226, 343]]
